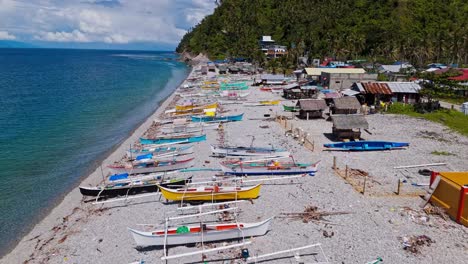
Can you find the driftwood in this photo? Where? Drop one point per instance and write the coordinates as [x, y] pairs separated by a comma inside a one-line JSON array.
[[311, 213]]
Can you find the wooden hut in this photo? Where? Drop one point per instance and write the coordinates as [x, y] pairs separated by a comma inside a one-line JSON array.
[[295, 91], [348, 126], [311, 108], [345, 105]]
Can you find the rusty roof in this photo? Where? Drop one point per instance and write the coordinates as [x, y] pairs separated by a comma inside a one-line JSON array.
[[376, 88]]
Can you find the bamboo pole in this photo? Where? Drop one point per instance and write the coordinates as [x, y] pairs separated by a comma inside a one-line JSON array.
[[346, 172], [398, 187], [334, 163], [364, 187]]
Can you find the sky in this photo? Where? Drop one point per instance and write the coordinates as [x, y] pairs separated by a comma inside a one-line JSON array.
[[128, 24]]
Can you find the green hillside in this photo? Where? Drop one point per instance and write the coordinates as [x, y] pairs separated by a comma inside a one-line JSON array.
[[421, 31]]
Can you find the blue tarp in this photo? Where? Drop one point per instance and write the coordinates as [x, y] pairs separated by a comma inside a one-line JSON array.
[[116, 177], [146, 156]]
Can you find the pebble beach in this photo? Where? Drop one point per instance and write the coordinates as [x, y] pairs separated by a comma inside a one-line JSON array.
[[365, 218]]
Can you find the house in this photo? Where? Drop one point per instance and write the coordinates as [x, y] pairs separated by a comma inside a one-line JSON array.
[[342, 78], [373, 92], [276, 51], [396, 72], [265, 44], [295, 91], [348, 126], [330, 96], [272, 79], [462, 79], [204, 70], [311, 108], [234, 69], [345, 105]]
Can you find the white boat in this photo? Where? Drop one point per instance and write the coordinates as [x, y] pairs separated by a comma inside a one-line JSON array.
[[151, 167], [157, 151], [193, 233], [249, 151], [189, 128]]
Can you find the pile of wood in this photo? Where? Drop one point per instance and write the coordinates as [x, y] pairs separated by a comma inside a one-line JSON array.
[[311, 213]]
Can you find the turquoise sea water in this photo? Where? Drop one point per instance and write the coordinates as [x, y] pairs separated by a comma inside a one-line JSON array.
[[61, 112]]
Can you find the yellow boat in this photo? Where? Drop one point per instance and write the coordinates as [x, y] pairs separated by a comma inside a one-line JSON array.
[[194, 106], [210, 193], [270, 102], [211, 83]]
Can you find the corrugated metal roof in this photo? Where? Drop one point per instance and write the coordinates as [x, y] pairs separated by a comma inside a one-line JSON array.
[[318, 71], [376, 88], [349, 121], [349, 92], [404, 87]]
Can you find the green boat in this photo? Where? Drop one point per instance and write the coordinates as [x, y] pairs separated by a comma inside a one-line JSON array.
[[290, 108]]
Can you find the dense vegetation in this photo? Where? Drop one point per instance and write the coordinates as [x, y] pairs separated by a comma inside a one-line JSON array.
[[420, 31]]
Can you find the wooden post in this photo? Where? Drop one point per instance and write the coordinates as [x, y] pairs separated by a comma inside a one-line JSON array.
[[364, 187], [334, 163], [346, 172], [398, 187], [307, 115]]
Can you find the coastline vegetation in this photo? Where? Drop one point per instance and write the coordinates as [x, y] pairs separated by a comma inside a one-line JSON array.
[[455, 120], [420, 31]]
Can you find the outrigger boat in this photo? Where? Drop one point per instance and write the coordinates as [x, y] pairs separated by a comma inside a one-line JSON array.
[[192, 106], [189, 128], [226, 118], [290, 108], [248, 151], [187, 138], [267, 167], [199, 233], [159, 151], [211, 193], [132, 187], [263, 103], [367, 145], [156, 166]]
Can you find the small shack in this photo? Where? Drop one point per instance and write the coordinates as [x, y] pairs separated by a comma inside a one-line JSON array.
[[345, 105], [222, 69], [311, 108], [330, 96], [295, 91], [204, 70], [348, 126]]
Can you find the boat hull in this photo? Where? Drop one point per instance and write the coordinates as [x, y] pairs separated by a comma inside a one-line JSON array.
[[248, 152], [192, 128], [155, 238], [161, 151], [211, 195], [150, 169], [217, 118], [264, 170], [367, 145], [131, 189], [146, 141]]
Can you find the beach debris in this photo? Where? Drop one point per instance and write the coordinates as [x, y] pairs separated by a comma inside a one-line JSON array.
[[311, 213], [328, 235], [375, 261], [434, 210], [414, 244], [264, 126]]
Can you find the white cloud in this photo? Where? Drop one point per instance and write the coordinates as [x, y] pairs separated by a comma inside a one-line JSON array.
[[109, 21], [73, 36], [5, 35]]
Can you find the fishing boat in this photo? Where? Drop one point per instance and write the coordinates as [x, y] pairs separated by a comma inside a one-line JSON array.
[[156, 166], [226, 118], [187, 138], [267, 167], [189, 128], [248, 151], [288, 108], [159, 151], [367, 145], [131, 187], [190, 107], [234, 94], [263, 103], [199, 233], [210, 193]]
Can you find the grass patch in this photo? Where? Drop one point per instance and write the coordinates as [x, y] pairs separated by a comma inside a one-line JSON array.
[[455, 120], [458, 100], [442, 153]]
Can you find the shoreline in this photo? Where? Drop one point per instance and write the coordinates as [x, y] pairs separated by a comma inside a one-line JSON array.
[[66, 203]]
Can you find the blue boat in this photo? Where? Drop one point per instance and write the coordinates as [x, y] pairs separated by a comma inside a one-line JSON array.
[[228, 118], [367, 145], [175, 140]]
